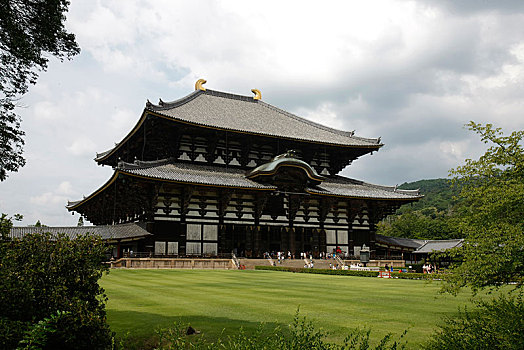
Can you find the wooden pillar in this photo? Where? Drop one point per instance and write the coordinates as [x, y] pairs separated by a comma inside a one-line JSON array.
[[284, 239], [302, 240], [223, 199], [351, 244], [118, 250], [292, 241], [249, 240], [316, 241], [322, 239], [256, 245]]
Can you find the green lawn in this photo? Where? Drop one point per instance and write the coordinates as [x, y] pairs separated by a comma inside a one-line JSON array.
[[214, 300]]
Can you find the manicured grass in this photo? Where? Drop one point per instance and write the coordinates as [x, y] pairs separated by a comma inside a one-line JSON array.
[[215, 300]]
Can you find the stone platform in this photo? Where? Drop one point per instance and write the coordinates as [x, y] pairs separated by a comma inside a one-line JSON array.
[[227, 264]]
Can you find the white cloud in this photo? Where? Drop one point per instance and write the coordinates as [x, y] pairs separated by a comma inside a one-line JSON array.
[[82, 146], [48, 111], [323, 114], [57, 197]]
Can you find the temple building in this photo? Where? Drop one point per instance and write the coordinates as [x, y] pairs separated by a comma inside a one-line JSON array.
[[214, 173]]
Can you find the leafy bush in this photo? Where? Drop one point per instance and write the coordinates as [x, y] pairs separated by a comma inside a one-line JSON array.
[[37, 335], [319, 271], [302, 335], [411, 275], [41, 274], [495, 324], [401, 275]]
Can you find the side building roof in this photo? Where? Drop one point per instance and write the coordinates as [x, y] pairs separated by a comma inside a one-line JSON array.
[[121, 232], [439, 245], [243, 114], [421, 246], [400, 241]]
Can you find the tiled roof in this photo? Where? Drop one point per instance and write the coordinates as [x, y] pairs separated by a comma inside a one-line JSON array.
[[192, 173], [400, 241], [197, 174], [108, 232], [346, 187], [439, 245], [220, 176], [243, 113]]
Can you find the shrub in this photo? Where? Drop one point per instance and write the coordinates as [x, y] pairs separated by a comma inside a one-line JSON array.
[[319, 271], [400, 275], [41, 274], [302, 335], [495, 324]]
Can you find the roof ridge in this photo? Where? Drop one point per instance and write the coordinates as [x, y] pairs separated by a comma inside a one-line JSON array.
[[231, 96], [172, 104], [144, 164]]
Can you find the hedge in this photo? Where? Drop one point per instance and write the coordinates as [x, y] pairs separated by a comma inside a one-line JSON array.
[[401, 275]]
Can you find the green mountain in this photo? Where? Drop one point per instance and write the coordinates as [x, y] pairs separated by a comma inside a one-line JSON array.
[[429, 218], [438, 194]]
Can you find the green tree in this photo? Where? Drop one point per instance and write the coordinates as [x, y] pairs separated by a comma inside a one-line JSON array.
[[427, 223], [493, 324], [29, 31], [491, 213], [42, 275]]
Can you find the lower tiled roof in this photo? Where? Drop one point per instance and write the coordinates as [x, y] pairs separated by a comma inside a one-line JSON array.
[[206, 175], [346, 187], [193, 173], [232, 177], [122, 232]]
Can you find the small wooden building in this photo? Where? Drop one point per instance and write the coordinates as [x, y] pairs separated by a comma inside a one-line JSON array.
[[214, 173]]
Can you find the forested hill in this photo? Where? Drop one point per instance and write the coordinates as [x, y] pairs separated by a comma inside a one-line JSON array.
[[429, 218], [438, 193]]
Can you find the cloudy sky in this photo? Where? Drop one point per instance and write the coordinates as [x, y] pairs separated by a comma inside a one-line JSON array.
[[412, 72]]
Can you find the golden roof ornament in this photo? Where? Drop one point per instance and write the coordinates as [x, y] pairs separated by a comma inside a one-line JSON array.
[[199, 83], [258, 94]]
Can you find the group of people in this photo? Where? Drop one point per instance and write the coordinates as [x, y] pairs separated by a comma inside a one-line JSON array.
[[428, 268]]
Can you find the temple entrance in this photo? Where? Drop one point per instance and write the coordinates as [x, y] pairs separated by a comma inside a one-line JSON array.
[[253, 241]]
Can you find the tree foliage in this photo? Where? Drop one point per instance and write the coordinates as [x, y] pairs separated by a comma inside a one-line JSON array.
[[432, 217], [491, 213], [438, 194], [29, 31], [494, 324], [427, 223], [41, 275]]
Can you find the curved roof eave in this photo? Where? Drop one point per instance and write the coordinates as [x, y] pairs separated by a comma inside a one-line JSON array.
[[156, 110], [329, 194], [75, 204], [106, 154]]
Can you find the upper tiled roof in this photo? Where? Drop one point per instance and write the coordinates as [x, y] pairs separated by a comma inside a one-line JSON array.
[[242, 113], [108, 232], [439, 245]]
